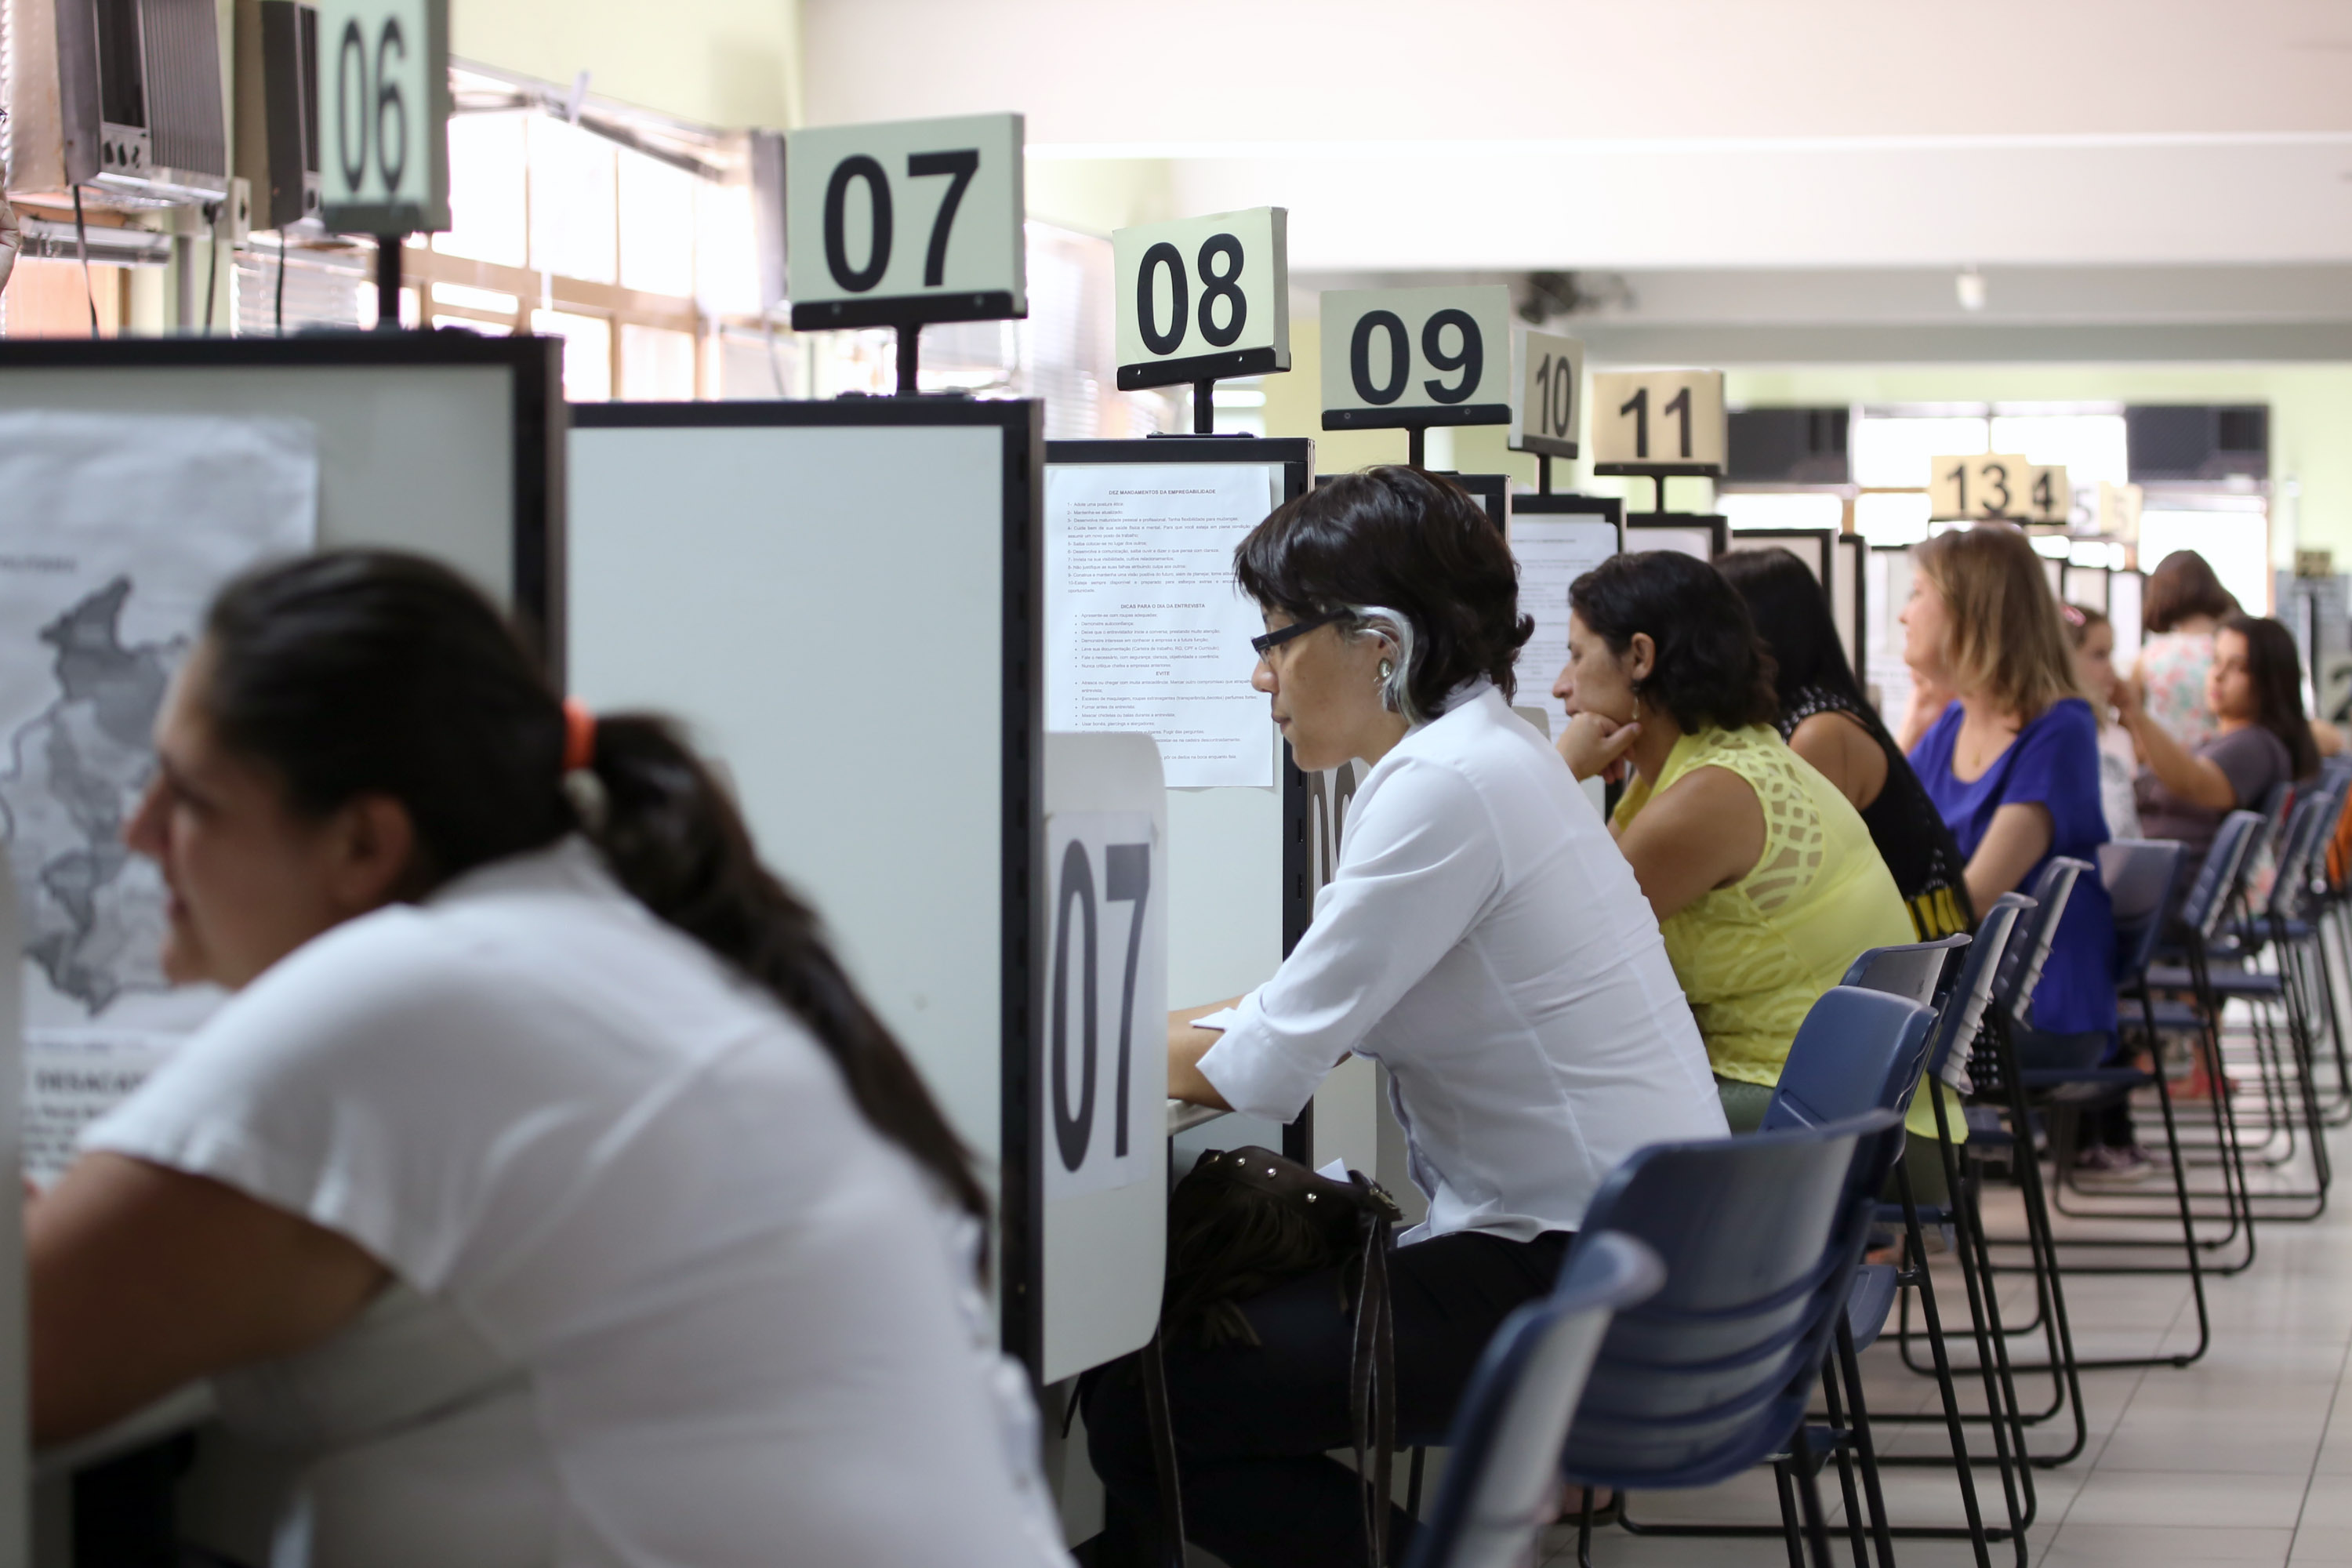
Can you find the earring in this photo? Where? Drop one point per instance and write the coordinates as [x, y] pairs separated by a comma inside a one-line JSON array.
[[1387, 669]]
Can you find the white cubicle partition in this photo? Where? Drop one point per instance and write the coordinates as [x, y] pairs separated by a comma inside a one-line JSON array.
[[2124, 590], [1700, 536], [1238, 893], [1886, 678], [839, 598], [1100, 1099], [1849, 597]]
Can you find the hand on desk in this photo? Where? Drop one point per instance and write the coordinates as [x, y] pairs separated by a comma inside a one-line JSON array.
[[1186, 1046]]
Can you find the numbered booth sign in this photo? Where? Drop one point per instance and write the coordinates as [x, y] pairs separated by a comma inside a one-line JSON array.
[[1984, 487], [1202, 298], [383, 115], [905, 222], [1659, 422], [1397, 358], [1547, 392]]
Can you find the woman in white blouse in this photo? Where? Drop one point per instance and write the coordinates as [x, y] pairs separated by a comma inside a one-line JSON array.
[[1482, 938], [544, 1185]]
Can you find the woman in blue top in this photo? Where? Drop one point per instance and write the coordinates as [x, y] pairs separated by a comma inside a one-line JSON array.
[[2014, 766]]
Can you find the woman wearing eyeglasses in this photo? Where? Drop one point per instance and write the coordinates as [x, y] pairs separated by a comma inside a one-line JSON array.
[[1483, 940]]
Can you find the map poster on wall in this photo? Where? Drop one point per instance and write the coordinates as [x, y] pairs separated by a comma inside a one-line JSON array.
[[115, 531]]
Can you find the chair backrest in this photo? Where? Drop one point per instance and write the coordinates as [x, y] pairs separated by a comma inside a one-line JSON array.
[[2209, 895], [2311, 817], [1963, 1011], [1760, 1237], [1512, 1423], [2028, 948], [1856, 1050], [1915, 970], [2143, 882]]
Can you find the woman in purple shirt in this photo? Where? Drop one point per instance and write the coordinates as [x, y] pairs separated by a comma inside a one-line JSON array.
[[2013, 767]]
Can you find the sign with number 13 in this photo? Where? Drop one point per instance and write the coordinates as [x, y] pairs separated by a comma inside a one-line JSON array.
[[383, 115]]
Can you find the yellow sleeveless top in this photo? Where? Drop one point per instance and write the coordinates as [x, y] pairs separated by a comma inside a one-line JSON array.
[[1755, 956]]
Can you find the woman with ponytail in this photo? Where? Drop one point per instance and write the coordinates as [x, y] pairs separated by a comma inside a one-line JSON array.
[[544, 1182]]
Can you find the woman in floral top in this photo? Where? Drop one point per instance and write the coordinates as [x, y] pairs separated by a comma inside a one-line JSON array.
[[2186, 604]]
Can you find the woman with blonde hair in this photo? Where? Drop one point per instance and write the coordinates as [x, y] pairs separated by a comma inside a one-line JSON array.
[[2013, 763]]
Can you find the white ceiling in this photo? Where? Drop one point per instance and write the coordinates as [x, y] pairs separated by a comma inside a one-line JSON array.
[[1663, 133]]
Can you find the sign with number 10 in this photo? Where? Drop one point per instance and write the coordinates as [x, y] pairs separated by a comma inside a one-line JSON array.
[[383, 115], [1547, 392], [905, 222]]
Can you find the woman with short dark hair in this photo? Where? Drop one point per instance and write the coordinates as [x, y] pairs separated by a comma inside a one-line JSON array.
[[1482, 941], [1826, 720], [1763, 877]]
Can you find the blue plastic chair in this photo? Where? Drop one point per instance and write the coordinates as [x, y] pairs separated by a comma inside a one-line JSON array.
[[1759, 1237], [1915, 970], [1513, 1420]]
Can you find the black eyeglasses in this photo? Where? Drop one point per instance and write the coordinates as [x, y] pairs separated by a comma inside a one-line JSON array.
[[1274, 640]]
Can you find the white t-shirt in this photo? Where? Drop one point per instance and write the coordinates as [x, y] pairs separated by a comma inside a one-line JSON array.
[[664, 1297], [1484, 938]]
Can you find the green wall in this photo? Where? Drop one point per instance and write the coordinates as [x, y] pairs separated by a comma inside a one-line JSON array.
[[721, 62]]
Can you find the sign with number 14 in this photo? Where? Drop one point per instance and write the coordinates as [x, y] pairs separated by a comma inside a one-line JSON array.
[[383, 115]]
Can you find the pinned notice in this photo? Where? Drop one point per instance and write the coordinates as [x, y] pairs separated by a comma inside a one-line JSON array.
[[1145, 631]]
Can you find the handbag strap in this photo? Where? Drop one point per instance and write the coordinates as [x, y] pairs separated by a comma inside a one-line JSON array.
[[1154, 1369], [1371, 1385]]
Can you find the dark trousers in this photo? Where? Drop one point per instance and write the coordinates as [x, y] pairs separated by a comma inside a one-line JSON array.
[[1254, 1423]]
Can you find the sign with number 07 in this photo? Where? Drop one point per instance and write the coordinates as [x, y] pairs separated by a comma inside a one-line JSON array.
[[905, 222], [383, 115], [1659, 421], [1103, 1083]]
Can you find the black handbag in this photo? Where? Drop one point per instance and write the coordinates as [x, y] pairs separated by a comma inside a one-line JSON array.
[[1239, 1222]]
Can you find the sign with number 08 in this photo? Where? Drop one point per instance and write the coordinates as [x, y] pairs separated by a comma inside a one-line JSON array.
[[905, 222], [1659, 421], [1104, 1080], [1547, 392], [383, 115], [1202, 298], [1396, 358]]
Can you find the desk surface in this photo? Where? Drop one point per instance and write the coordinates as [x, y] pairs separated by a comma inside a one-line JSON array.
[[1184, 1115]]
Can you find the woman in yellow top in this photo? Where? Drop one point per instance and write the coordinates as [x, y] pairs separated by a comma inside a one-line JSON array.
[[1765, 880]]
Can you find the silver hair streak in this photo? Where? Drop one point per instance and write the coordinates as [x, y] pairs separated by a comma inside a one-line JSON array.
[[1379, 620]]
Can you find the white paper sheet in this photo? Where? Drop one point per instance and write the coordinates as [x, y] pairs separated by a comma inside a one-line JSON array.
[[115, 531], [1144, 629], [1552, 552]]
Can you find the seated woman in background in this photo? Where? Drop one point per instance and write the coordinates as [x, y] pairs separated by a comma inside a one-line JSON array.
[[1764, 879], [544, 1184], [1480, 938], [2254, 691], [2093, 639], [2014, 766], [2184, 607], [1826, 720]]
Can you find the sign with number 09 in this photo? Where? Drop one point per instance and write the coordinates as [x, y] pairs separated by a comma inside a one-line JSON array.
[[383, 115], [1396, 358], [1547, 392], [1202, 298], [1104, 1082], [1659, 421], [905, 222]]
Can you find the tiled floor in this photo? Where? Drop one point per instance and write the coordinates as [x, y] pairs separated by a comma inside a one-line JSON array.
[[2243, 1458]]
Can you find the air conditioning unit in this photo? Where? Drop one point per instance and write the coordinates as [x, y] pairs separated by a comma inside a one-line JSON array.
[[278, 109], [122, 98]]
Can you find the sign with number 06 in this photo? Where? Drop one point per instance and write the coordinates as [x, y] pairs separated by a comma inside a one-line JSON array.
[[1202, 298], [383, 115], [905, 222], [1104, 1082], [1659, 421], [1547, 392], [1396, 358]]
